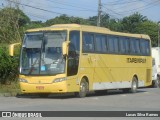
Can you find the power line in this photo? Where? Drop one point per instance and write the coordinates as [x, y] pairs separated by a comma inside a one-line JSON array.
[[142, 8], [82, 8], [36, 7], [120, 3], [112, 11], [45, 10], [87, 10], [135, 9]]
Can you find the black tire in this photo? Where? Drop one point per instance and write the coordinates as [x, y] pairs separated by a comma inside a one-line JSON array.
[[134, 85], [83, 89], [101, 92], [126, 90]]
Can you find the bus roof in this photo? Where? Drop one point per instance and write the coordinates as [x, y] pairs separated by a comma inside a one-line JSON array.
[[87, 28]]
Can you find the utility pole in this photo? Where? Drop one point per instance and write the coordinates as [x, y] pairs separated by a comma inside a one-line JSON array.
[[99, 13]]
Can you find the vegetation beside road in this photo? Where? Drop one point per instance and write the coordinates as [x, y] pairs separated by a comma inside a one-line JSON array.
[[10, 89]]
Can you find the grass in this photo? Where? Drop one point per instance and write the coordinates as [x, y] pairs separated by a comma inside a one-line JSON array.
[[12, 89]]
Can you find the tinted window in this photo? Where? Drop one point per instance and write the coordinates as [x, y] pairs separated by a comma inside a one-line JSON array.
[[88, 42], [124, 45], [116, 46], [137, 46], [98, 43], [101, 44], [145, 47], [132, 46], [113, 44], [110, 44]]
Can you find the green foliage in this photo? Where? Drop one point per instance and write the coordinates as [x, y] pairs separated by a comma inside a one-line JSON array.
[[8, 66], [34, 24], [149, 28], [64, 19], [11, 22], [131, 22]]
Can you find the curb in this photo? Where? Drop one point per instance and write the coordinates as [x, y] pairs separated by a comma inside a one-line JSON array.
[[9, 94]]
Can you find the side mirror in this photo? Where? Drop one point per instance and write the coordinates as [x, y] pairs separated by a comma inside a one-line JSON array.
[[12, 48], [65, 47]]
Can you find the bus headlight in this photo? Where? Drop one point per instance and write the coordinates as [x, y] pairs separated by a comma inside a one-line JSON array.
[[23, 80], [59, 79]]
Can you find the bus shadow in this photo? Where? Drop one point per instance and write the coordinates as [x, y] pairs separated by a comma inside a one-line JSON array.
[[71, 95], [50, 96], [114, 92]]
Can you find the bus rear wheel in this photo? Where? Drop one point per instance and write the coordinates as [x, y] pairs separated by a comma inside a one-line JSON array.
[[134, 85], [83, 88]]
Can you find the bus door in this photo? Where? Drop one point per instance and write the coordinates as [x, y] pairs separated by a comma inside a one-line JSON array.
[[73, 60]]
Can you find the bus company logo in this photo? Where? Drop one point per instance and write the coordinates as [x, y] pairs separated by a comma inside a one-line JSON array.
[[136, 60], [6, 114]]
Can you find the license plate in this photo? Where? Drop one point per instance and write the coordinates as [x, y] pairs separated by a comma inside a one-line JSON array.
[[40, 87]]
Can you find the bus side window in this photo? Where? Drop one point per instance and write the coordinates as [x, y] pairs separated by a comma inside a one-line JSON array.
[[116, 45], [132, 46], [113, 44], [145, 47], [127, 45], [122, 45], [88, 42], [104, 44], [110, 44], [101, 43], [98, 43], [137, 46]]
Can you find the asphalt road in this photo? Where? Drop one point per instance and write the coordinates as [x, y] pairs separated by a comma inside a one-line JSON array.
[[146, 99]]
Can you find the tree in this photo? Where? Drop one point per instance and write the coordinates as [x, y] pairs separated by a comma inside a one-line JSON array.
[[130, 23], [10, 22], [64, 19], [34, 24], [150, 28]]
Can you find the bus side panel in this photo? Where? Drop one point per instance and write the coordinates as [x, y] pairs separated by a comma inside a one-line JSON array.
[[87, 63], [114, 71]]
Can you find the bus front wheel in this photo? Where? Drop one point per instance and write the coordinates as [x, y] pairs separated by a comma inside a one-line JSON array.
[[134, 85], [83, 88]]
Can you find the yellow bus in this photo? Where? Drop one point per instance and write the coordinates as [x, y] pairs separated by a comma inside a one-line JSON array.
[[78, 58]]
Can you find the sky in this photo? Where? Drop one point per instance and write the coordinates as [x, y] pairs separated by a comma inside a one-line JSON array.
[[42, 10]]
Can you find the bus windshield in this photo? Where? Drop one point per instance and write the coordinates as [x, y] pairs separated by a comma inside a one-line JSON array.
[[41, 53]]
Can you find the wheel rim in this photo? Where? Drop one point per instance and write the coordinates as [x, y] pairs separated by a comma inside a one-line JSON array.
[[134, 86], [83, 88]]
